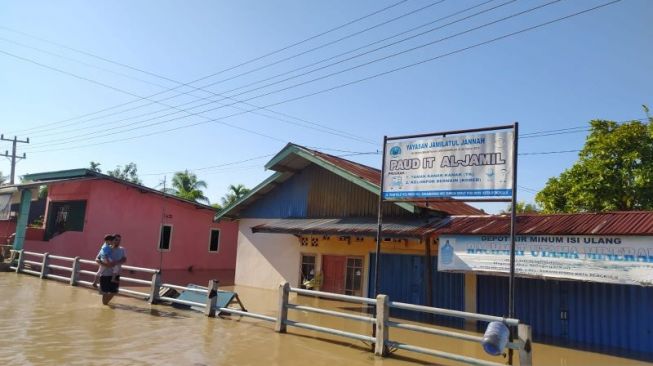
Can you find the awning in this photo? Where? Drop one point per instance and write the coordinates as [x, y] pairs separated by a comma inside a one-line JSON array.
[[415, 229]]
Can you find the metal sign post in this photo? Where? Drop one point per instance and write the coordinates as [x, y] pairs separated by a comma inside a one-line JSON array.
[[379, 229], [513, 227]]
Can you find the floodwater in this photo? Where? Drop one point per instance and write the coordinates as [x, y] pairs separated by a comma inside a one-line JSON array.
[[45, 322]]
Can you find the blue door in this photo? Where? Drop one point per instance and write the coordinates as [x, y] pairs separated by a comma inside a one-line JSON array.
[[403, 279]]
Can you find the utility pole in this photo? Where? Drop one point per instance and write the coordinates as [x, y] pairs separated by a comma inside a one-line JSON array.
[[13, 156]]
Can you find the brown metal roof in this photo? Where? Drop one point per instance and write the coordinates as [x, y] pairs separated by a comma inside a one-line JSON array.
[[601, 223], [349, 227], [365, 172]]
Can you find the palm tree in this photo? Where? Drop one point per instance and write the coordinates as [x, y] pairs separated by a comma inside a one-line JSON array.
[[186, 185], [235, 193]]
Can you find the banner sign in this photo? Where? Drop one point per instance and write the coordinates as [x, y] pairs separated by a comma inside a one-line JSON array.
[[478, 165], [610, 259]]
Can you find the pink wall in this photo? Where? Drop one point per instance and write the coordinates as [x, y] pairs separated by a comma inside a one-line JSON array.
[[7, 227], [112, 207]]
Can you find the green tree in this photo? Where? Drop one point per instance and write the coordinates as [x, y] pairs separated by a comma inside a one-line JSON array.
[[235, 192], [95, 167], [3, 179], [522, 208], [129, 172], [614, 171], [186, 185]]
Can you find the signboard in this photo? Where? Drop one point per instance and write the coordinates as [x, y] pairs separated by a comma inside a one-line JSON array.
[[473, 165], [610, 259]]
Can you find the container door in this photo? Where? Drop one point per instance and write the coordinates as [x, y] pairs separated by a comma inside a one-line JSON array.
[[403, 279], [333, 273]]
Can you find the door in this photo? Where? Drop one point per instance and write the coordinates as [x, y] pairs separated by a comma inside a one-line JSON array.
[[333, 273], [402, 278]]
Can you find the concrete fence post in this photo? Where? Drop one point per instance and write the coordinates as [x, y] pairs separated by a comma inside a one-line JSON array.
[[21, 261], [211, 298], [74, 274], [44, 265], [524, 334], [155, 288], [382, 316], [284, 292]]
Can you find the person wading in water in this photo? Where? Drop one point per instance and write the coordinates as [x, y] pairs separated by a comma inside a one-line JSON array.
[[109, 281]]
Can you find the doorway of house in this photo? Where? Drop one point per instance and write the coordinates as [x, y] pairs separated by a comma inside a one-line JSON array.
[[342, 274]]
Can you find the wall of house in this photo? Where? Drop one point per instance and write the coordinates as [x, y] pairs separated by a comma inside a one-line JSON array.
[[138, 215], [317, 192], [265, 260]]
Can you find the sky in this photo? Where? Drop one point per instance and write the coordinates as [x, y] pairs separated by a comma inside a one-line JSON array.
[[218, 87]]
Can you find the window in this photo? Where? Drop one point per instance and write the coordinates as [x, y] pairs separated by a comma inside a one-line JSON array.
[[65, 216], [165, 236], [354, 276], [307, 272], [214, 240]]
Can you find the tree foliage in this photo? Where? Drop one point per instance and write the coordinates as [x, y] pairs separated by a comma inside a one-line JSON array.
[[129, 172], [186, 185], [95, 167], [522, 208], [614, 171], [3, 179], [234, 193]]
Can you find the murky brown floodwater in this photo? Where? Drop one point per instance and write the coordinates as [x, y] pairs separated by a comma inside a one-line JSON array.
[[45, 322]]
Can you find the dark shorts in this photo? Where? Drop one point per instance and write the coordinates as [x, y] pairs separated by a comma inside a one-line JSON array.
[[109, 287]]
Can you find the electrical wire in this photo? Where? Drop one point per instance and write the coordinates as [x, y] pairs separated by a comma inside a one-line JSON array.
[[460, 50], [351, 68], [331, 30], [296, 55], [353, 57]]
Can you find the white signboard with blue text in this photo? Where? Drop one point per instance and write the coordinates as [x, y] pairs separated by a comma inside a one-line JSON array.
[[476, 165], [610, 259]]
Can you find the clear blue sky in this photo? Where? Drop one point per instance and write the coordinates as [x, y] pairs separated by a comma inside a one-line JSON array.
[[596, 65]]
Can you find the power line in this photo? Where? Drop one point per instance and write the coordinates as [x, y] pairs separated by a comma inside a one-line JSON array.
[[59, 131], [154, 101], [211, 75], [549, 152], [367, 45], [324, 129], [359, 55], [296, 55], [358, 66], [460, 50], [563, 131], [323, 45], [386, 46], [215, 166]]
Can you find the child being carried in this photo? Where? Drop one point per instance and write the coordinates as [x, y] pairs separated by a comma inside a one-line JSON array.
[[105, 258]]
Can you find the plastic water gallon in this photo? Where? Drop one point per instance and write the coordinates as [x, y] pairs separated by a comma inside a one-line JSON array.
[[495, 338]]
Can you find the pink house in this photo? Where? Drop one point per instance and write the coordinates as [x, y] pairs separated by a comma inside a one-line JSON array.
[[158, 230]]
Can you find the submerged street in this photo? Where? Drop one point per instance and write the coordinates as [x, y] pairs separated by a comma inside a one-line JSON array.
[[45, 322]]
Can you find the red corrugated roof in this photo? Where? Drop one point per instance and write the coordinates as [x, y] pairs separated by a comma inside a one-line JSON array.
[[365, 172], [373, 176], [600, 223]]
